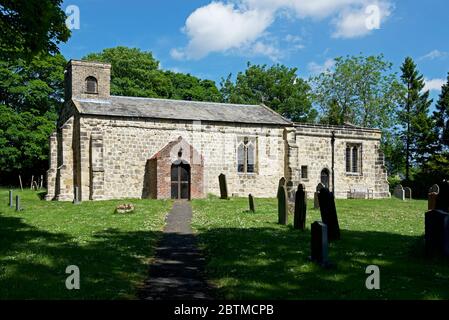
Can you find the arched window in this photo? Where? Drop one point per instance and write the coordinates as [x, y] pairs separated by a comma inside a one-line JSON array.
[[91, 85], [250, 159], [241, 158], [246, 155]]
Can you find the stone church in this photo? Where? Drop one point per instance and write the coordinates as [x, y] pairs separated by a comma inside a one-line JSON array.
[[113, 147]]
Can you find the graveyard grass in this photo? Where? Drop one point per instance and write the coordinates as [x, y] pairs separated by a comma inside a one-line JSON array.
[[250, 256], [111, 250]]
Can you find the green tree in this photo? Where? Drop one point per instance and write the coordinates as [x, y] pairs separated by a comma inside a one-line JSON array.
[[441, 114], [28, 27], [359, 90], [418, 129], [31, 94], [136, 73], [278, 87]]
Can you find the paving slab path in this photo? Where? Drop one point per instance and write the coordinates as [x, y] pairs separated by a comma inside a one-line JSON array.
[[177, 271]]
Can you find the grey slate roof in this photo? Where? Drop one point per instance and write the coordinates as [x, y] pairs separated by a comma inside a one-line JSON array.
[[179, 110]]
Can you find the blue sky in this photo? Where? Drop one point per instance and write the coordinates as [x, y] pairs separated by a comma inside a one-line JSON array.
[[211, 39]]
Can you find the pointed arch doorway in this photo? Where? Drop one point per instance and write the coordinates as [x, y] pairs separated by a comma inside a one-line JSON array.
[[180, 180]]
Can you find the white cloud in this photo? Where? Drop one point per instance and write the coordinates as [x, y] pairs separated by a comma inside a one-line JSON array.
[[434, 54], [232, 24], [315, 68], [220, 27], [434, 84]]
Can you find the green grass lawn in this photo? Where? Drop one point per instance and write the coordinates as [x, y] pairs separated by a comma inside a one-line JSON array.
[[249, 256], [111, 250]]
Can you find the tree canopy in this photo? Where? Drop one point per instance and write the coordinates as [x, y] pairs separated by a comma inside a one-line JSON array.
[[136, 73], [29, 27], [359, 90], [278, 87]]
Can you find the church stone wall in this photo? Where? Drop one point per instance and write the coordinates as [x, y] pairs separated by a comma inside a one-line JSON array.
[[128, 144], [315, 152]]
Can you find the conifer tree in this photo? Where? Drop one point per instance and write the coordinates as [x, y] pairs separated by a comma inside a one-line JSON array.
[[418, 128]]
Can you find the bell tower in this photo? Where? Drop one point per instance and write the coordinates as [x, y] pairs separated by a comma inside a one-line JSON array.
[[87, 80]]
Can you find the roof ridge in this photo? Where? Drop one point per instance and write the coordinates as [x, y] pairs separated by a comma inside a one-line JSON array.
[[185, 101]]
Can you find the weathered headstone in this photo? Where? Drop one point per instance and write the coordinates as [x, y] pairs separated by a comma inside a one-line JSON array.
[[432, 197], [11, 202], [316, 202], [329, 214], [18, 203], [251, 203], [290, 191], [442, 202], [437, 232], [399, 192], [299, 221], [319, 243], [223, 187], [282, 203], [408, 193]]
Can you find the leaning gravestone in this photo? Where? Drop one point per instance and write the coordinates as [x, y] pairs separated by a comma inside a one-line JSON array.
[[399, 192], [319, 243], [76, 199], [316, 202], [408, 193], [329, 213], [442, 202], [299, 221], [251, 203], [223, 187], [282, 203], [432, 197], [437, 232]]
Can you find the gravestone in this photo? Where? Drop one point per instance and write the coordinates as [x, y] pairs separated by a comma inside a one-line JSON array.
[[223, 187], [329, 214], [408, 193], [399, 192], [316, 202], [11, 202], [76, 199], [319, 243], [299, 221], [282, 203], [432, 197], [18, 203], [437, 232], [290, 191], [442, 202], [251, 203]]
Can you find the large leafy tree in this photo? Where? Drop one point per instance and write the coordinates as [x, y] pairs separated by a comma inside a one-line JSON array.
[[358, 90], [278, 87], [418, 129], [28, 27], [31, 94], [136, 73]]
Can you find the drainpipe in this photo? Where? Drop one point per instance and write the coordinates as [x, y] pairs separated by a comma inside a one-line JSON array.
[[333, 161]]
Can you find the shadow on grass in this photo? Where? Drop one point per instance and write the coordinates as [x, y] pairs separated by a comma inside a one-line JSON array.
[[272, 263], [34, 262]]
